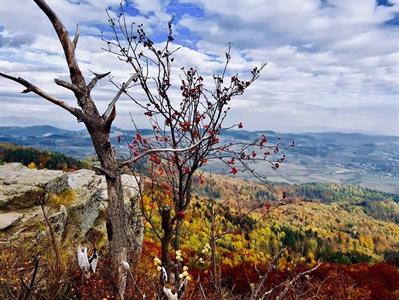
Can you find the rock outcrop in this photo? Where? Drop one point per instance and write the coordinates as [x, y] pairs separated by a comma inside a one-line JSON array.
[[9, 219], [21, 187], [75, 201]]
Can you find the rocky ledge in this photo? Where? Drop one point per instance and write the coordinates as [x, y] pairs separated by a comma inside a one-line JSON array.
[[71, 199]]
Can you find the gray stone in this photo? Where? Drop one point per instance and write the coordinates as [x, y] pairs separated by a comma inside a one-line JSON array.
[[9, 219], [59, 219], [21, 187], [91, 195]]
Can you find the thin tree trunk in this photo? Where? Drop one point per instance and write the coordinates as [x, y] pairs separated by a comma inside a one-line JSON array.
[[215, 268], [165, 241], [116, 216], [116, 223]]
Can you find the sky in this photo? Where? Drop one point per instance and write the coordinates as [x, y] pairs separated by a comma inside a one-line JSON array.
[[331, 65]]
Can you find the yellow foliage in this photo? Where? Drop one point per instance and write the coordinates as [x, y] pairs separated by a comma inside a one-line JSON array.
[[65, 198], [32, 166]]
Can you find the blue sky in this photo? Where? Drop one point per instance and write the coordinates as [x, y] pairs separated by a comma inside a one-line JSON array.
[[332, 65]]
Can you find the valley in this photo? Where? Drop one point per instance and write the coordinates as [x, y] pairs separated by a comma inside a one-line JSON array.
[[364, 160]]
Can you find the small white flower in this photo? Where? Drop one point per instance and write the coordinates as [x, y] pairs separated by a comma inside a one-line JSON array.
[[179, 256], [83, 260], [185, 268], [206, 249]]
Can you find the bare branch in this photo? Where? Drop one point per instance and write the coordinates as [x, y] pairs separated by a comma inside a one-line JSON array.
[[288, 284], [96, 78], [67, 85], [148, 152], [101, 171], [117, 96], [32, 281], [67, 45], [32, 88], [76, 38]]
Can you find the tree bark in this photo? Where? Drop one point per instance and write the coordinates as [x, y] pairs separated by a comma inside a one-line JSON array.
[[165, 241], [116, 217], [116, 222]]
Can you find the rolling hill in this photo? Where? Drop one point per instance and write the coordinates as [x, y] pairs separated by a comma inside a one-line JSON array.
[[365, 160]]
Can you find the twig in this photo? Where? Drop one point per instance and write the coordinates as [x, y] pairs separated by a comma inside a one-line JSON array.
[[32, 281], [53, 241]]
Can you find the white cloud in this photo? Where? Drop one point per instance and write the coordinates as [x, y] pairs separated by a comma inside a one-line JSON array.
[[334, 54], [332, 64]]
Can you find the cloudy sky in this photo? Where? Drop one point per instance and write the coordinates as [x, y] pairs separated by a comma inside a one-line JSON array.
[[332, 65]]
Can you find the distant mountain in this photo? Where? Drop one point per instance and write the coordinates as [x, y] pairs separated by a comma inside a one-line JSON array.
[[32, 131], [370, 161], [73, 143]]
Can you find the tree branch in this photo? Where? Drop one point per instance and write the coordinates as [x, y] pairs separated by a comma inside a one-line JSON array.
[[32, 281], [32, 88], [148, 152], [97, 77], [101, 171], [117, 96], [67, 45], [67, 85], [289, 283], [76, 38]]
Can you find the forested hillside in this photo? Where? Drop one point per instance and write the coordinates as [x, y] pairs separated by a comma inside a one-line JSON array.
[[377, 204], [336, 223], [234, 228], [39, 158]]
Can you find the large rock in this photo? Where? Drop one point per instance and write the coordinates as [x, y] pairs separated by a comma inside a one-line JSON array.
[[91, 196], [9, 219], [22, 189]]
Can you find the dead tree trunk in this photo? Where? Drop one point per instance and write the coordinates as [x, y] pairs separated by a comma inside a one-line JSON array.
[[116, 217]]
